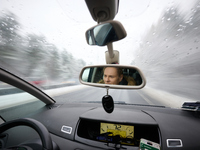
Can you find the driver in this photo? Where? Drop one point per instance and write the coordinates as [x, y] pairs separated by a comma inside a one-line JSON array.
[[112, 75]]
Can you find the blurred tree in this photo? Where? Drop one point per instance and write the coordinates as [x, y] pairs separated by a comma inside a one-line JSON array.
[[55, 68], [36, 54], [9, 39], [31, 54], [66, 64], [169, 54]]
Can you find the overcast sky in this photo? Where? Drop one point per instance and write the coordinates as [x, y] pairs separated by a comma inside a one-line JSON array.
[[64, 23]]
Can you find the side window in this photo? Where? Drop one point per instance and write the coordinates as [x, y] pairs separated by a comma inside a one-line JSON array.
[[12, 97], [85, 75]]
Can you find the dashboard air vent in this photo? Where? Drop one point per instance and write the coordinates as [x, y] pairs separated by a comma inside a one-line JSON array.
[[174, 143]]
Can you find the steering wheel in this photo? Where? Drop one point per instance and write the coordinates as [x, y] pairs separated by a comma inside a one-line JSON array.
[[36, 125]]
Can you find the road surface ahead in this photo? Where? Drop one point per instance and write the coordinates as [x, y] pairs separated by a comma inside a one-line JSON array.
[[96, 94], [82, 93]]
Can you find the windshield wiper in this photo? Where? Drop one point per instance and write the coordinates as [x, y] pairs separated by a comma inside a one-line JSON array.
[[191, 106]]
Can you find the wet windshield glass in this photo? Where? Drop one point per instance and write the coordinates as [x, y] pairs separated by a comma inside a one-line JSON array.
[[44, 43]]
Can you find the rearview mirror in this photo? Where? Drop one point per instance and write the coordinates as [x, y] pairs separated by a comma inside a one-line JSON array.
[[104, 33], [113, 76]]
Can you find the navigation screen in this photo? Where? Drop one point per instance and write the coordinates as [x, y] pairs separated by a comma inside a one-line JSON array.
[[123, 134]]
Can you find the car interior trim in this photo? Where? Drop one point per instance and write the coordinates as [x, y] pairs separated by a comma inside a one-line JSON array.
[[66, 129], [174, 143], [11, 79]]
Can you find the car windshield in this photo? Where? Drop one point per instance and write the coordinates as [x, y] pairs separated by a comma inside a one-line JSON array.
[[43, 42]]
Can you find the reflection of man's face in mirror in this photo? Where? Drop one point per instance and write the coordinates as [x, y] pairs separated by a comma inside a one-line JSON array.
[[112, 75]]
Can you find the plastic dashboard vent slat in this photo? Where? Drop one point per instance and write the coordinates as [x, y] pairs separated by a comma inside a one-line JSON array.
[[174, 143]]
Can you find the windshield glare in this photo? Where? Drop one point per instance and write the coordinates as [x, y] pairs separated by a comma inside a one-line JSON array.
[[44, 43]]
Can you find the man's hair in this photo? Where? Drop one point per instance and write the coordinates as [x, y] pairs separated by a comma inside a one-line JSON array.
[[119, 70]]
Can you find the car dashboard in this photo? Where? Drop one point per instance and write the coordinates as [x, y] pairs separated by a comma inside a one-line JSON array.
[[84, 125]]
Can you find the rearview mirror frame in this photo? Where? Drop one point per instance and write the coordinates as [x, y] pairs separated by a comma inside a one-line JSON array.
[[110, 31], [110, 86]]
